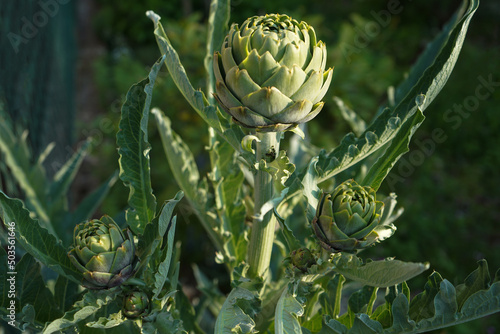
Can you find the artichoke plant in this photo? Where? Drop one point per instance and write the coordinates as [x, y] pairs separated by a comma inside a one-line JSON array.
[[349, 219], [103, 253], [135, 304], [270, 73]]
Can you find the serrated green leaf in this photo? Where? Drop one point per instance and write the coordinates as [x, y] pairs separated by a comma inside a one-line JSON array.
[[364, 325], [232, 133], [66, 293], [176, 69], [385, 127], [286, 316], [154, 231], [35, 239], [478, 280], [108, 322], [331, 299], [227, 180], [133, 148], [225, 168], [292, 242], [281, 169], [161, 275], [362, 300], [401, 323], [479, 304], [399, 146], [311, 189], [164, 323], [382, 314], [445, 303], [179, 156], [332, 326], [445, 306], [165, 219], [231, 317], [422, 306], [148, 242], [314, 322], [482, 303], [186, 173], [427, 57], [31, 290], [89, 305], [27, 318], [377, 273], [218, 20], [4, 284], [270, 298]]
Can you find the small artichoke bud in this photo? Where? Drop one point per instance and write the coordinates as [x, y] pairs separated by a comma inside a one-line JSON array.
[[270, 73], [103, 253], [349, 219], [302, 258], [135, 304]]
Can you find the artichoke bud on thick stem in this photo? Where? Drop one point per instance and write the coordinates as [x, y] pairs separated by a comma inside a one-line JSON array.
[[103, 253], [135, 304], [302, 259], [349, 219], [270, 74], [262, 234]]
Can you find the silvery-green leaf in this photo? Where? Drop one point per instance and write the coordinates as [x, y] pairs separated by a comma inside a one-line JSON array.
[[377, 273], [286, 316]]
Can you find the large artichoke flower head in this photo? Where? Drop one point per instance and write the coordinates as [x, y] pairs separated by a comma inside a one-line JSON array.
[[103, 253], [270, 73], [349, 219]]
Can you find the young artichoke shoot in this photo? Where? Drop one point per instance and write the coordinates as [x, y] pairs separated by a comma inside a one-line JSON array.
[[135, 304], [270, 73], [349, 219], [302, 259], [103, 253]]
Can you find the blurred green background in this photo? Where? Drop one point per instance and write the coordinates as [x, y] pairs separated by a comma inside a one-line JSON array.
[[449, 190]]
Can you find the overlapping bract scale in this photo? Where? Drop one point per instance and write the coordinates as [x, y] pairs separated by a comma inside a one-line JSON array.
[[270, 73]]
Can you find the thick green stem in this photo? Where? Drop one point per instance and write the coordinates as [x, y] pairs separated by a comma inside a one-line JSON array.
[[262, 236]]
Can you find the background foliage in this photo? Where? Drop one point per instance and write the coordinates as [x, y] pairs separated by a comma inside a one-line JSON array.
[[453, 191]]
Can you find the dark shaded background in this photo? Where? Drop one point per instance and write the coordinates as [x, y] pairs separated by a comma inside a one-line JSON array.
[[69, 76]]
